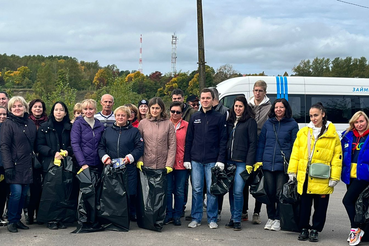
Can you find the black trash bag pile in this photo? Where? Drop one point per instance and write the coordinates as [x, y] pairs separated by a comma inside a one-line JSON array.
[[221, 180], [89, 180], [289, 206], [257, 187], [113, 208], [59, 193], [151, 198]]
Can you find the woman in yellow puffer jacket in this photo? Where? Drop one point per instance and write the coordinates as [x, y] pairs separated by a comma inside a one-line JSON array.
[[325, 147]]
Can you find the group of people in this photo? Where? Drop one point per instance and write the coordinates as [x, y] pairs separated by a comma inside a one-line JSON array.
[[190, 141]]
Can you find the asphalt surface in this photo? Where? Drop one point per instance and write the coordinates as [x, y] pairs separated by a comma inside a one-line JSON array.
[[335, 232]]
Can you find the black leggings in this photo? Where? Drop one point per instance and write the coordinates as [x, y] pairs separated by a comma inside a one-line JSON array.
[[274, 182], [352, 194]]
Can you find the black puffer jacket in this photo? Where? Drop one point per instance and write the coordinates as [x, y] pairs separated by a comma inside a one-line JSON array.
[[117, 142], [48, 142], [242, 141], [17, 136]]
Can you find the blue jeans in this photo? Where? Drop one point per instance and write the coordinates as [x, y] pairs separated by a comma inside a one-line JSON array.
[[176, 186], [236, 192], [18, 194], [198, 171]]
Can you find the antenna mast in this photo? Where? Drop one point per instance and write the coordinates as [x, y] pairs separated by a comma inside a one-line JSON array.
[[174, 54], [140, 60]]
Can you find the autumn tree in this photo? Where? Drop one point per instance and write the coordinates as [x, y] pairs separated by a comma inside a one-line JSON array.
[[225, 72]]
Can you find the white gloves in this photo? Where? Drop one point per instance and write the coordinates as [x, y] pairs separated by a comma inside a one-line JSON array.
[[220, 165], [187, 165], [333, 183], [129, 159], [291, 176]]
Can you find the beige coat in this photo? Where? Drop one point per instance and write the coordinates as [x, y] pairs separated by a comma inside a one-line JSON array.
[[160, 143]]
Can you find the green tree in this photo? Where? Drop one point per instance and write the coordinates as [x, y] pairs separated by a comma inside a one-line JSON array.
[[224, 72]]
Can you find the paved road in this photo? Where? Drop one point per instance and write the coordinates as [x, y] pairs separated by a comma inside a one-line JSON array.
[[335, 232]]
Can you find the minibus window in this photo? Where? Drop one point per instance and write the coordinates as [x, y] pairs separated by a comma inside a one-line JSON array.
[[228, 100]]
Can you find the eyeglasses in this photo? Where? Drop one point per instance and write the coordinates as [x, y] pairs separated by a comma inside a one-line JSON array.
[[195, 104], [175, 112]]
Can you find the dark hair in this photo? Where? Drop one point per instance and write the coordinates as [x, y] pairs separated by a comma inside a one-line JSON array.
[[320, 106], [159, 101], [206, 90], [247, 113], [6, 94], [177, 92], [66, 117], [31, 103], [287, 113], [176, 104], [216, 93]]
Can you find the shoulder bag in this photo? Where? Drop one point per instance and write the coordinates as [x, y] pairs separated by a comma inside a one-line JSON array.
[[317, 170], [285, 161]]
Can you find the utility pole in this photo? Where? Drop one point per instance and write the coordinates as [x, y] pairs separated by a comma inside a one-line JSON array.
[[201, 50]]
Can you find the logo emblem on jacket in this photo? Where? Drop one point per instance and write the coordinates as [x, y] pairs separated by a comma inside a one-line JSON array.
[[346, 145], [197, 121]]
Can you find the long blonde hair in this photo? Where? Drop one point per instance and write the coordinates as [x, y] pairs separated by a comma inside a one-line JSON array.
[[354, 118]]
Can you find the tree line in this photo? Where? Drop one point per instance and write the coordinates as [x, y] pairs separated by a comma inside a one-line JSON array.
[[54, 78], [338, 67]]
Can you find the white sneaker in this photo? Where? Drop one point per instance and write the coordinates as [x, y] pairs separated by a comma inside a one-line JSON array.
[[269, 224], [213, 225], [349, 236], [355, 237], [276, 226], [194, 224]]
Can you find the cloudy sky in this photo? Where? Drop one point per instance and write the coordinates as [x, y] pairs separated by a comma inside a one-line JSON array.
[[251, 35]]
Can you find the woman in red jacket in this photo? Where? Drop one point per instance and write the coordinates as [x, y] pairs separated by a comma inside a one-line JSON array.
[[176, 179]]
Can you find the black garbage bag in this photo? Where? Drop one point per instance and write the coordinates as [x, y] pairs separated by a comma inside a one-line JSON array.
[[221, 180], [247, 177], [89, 179], [257, 187], [59, 197], [362, 207], [289, 192], [151, 198], [113, 208], [289, 214]]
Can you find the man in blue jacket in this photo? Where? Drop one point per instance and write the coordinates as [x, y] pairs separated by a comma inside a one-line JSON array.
[[205, 147]]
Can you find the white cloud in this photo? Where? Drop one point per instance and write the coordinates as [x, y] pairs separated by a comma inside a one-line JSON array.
[[253, 36]]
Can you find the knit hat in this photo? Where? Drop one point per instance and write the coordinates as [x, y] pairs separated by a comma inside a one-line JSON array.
[[143, 101], [192, 98]]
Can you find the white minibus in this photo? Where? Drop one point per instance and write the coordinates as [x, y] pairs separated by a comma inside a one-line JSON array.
[[341, 97]]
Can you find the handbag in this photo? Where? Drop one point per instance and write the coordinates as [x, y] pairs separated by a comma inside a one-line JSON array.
[[35, 162], [285, 162], [317, 170]]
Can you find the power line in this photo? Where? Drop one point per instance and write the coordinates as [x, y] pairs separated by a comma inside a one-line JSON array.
[[357, 5]]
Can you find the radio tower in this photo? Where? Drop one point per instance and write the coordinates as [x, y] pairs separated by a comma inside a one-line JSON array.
[[174, 53], [140, 60]]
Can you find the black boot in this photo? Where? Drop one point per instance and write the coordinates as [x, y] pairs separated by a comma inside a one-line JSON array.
[[52, 225], [12, 227], [20, 225], [313, 236], [304, 235], [230, 225]]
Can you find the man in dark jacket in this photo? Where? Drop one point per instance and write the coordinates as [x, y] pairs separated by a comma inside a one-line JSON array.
[[188, 111], [205, 148]]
